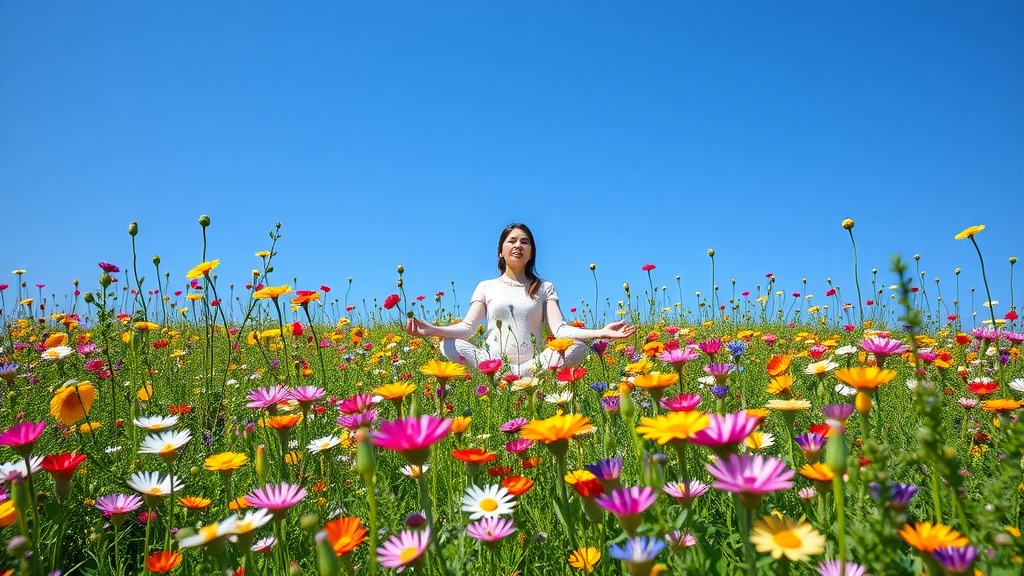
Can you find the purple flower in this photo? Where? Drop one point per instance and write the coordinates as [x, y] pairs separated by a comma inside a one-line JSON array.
[[724, 432], [627, 504], [514, 425], [357, 421], [638, 553], [955, 560], [900, 494], [108, 267], [610, 404], [835, 568], [306, 395], [720, 391], [599, 347], [838, 412], [118, 506], [811, 445], [750, 477], [607, 470], [519, 445]]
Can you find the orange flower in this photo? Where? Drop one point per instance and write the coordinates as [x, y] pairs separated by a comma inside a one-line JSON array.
[[283, 421], [817, 472], [652, 349], [557, 428], [345, 534], [778, 364], [517, 485], [72, 401], [927, 538], [560, 344], [273, 292], [474, 456], [460, 424], [864, 378], [163, 561], [202, 269], [55, 339], [305, 296], [443, 370], [239, 503], [194, 502], [783, 383], [1001, 405], [655, 380]]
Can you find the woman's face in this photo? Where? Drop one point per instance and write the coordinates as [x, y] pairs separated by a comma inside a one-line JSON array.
[[516, 249]]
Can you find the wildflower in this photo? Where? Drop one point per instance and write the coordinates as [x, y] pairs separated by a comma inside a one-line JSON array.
[[673, 427], [627, 504], [750, 476], [490, 530], [724, 432], [864, 378], [411, 436], [835, 568], [778, 364], [556, 429], [152, 486], [1001, 405], [391, 301], [226, 461], [759, 440], [276, 498], [344, 534], [272, 292], [207, 535], [638, 553], [796, 540], [202, 270], [487, 502], [22, 437], [403, 549], [585, 558], [517, 485], [687, 492], [118, 506], [155, 423], [267, 397], [956, 559], [443, 371], [323, 444], [165, 444], [395, 391], [969, 232], [57, 353], [163, 561], [926, 537]]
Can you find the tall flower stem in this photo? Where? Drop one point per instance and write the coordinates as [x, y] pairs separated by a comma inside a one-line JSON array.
[[837, 493], [848, 224], [427, 506], [371, 500], [984, 279], [563, 496]]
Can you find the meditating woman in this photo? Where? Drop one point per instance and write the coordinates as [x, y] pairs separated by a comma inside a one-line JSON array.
[[515, 305]]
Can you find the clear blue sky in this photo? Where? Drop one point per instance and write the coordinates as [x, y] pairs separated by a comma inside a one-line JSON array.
[[624, 133]]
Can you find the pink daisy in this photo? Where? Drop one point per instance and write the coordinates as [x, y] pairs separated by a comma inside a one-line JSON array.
[[725, 432], [277, 499], [261, 398], [357, 403], [628, 504], [681, 403], [22, 437], [412, 436], [490, 530], [751, 477], [403, 549]]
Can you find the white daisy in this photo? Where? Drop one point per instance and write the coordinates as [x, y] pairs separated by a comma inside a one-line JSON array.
[[845, 390], [252, 520], [56, 353], [563, 397], [151, 484], [207, 534], [487, 501], [18, 468], [323, 444], [165, 444], [413, 471], [846, 350], [819, 368], [1017, 384], [156, 423]]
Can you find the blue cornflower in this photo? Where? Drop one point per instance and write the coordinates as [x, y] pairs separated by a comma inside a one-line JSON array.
[[638, 553], [736, 347], [720, 391], [599, 386], [606, 470], [955, 560]]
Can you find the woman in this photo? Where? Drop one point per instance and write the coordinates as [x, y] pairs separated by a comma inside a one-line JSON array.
[[515, 305]]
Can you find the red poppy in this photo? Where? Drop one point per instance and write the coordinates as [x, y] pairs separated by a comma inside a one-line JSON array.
[[590, 488], [648, 267], [391, 301], [326, 289], [297, 328], [498, 471], [62, 465], [571, 374], [982, 387]]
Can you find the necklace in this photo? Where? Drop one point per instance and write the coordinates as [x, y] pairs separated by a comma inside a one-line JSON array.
[[508, 282]]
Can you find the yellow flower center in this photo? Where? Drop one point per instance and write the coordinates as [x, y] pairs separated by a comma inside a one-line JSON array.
[[209, 532], [488, 504], [155, 491], [167, 449], [408, 555], [787, 539]]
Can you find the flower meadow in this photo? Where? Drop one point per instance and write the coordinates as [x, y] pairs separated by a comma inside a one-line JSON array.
[[267, 431]]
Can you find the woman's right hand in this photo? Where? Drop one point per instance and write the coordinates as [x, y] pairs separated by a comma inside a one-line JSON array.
[[417, 327]]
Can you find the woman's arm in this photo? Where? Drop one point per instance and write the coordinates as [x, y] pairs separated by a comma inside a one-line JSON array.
[[561, 329], [463, 329]]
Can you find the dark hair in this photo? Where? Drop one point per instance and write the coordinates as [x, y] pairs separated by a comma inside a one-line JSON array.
[[531, 274]]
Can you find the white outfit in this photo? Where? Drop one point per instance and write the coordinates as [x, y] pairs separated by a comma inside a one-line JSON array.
[[513, 334]]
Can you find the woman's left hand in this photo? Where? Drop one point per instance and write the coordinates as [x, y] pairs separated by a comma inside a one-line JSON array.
[[620, 329]]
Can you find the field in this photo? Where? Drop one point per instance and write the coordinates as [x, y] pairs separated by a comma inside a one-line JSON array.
[[184, 432]]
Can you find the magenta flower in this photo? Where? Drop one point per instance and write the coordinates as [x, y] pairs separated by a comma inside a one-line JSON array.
[[685, 492], [882, 347], [356, 421], [811, 444], [681, 403], [750, 477], [267, 397], [838, 412], [725, 432], [118, 506], [711, 347], [356, 403], [513, 426], [403, 549], [678, 356], [627, 504], [412, 436], [22, 437], [277, 499], [491, 530], [490, 366], [108, 267], [719, 371], [519, 445], [306, 395]]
